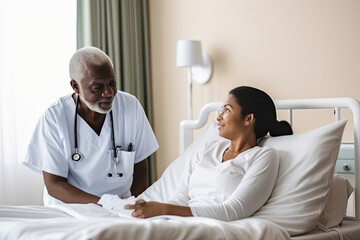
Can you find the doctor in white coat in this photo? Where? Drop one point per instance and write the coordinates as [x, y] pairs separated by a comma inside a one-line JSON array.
[[93, 141]]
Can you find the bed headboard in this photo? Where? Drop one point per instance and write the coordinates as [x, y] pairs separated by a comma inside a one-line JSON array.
[[188, 126]]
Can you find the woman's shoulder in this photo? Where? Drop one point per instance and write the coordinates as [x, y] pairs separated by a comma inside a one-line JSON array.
[[267, 149], [266, 152]]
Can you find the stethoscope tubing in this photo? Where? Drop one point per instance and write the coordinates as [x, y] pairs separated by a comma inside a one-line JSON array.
[[113, 135], [77, 155]]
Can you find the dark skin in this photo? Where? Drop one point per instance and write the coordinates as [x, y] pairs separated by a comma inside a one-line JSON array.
[[233, 126], [97, 88]]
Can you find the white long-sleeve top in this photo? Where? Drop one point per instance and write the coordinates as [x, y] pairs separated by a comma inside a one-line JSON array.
[[229, 190]]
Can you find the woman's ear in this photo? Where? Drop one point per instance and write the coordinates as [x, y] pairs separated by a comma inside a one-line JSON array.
[[249, 119], [74, 86]]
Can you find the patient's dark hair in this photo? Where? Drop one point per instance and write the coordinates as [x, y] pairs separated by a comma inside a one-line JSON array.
[[256, 101]]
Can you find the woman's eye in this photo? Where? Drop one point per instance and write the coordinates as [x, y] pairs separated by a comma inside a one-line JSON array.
[[224, 109]]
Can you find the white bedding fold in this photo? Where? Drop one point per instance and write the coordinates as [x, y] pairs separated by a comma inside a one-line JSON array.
[[184, 228], [48, 223]]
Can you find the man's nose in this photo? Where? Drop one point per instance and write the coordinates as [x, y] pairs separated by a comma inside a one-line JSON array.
[[108, 91]]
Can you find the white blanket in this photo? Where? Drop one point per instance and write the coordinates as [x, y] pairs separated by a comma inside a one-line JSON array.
[[38, 222]]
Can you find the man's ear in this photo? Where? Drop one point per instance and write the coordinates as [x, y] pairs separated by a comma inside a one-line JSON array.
[[249, 119], [74, 86]]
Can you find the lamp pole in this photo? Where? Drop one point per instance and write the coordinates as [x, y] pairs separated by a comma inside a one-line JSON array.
[[189, 94]]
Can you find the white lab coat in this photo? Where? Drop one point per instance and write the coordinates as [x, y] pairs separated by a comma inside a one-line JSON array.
[[52, 146]]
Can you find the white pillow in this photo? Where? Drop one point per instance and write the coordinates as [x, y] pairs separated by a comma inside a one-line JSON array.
[[335, 208], [165, 186], [307, 162]]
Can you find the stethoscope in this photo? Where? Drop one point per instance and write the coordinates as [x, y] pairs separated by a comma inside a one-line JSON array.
[[77, 155]]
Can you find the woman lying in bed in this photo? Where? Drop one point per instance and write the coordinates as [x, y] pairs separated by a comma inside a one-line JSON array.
[[233, 178]]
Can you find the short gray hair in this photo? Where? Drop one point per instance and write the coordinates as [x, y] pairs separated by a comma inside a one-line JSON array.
[[83, 57]]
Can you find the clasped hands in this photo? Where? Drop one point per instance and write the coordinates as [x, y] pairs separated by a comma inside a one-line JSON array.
[[143, 209]]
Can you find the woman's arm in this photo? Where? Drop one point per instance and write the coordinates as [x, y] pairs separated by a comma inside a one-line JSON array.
[[250, 195], [143, 209]]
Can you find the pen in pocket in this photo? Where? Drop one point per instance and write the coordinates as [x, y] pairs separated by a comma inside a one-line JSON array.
[[130, 148]]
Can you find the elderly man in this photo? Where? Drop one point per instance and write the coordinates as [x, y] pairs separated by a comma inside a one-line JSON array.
[[93, 141]]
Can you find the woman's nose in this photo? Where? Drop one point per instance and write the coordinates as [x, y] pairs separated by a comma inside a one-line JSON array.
[[219, 116]]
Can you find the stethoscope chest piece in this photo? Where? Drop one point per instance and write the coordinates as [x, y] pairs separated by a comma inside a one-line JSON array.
[[76, 157]]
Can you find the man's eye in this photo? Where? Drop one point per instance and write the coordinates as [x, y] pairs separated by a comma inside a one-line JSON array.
[[96, 89], [112, 83]]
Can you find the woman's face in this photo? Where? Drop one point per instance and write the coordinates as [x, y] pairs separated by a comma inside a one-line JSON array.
[[230, 121]]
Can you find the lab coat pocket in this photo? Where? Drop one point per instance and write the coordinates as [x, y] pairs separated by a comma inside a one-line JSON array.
[[123, 167]]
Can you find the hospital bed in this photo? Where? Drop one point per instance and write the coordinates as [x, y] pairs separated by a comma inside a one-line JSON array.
[[301, 206]]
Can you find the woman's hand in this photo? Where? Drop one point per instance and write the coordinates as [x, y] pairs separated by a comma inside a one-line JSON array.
[[143, 209]]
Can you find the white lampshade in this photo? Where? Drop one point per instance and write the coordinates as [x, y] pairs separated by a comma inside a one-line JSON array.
[[188, 53]]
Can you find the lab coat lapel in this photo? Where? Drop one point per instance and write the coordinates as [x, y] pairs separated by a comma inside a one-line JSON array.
[[88, 138]]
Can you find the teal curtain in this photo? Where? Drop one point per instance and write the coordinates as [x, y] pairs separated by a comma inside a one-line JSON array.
[[121, 29]]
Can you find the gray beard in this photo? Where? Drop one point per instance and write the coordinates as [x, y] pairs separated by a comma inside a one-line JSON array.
[[94, 107]]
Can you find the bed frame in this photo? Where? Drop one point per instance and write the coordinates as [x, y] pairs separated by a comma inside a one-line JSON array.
[[188, 126]]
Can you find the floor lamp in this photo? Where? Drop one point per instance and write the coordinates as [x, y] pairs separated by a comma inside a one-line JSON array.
[[190, 55]]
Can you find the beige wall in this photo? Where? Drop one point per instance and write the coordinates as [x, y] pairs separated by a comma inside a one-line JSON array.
[[289, 48]]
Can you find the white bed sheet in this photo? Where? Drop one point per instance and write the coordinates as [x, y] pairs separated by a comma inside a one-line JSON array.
[[38, 222]]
